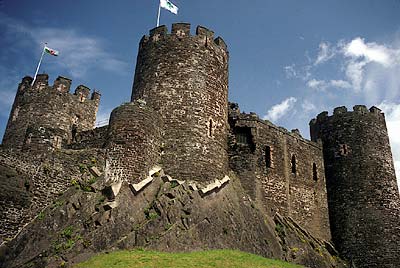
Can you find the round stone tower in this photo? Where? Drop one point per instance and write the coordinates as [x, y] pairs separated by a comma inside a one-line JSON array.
[[184, 78], [363, 196], [134, 142], [44, 116]]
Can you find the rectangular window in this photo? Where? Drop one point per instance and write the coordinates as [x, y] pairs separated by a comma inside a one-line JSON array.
[[268, 157]]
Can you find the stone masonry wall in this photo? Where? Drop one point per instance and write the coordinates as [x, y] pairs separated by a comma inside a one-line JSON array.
[[261, 154], [36, 180], [134, 142], [51, 107], [185, 79], [364, 202], [93, 138]]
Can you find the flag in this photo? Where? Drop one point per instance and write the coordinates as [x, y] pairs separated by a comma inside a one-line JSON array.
[[169, 6], [50, 51]]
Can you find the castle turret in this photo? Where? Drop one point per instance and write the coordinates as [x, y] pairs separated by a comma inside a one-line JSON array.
[[363, 196], [184, 78], [44, 116], [134, 144]]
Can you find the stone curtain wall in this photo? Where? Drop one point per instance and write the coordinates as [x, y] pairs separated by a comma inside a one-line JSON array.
[[185, 79], [267, 174], [49, 107], [363, 197], [93, 138], [134, 143]]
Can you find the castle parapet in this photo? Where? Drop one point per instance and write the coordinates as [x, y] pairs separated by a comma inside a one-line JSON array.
[[96, 95], [182, 30], [49, 107], [62, 84], [41, 82], [82, 92], [341, 112]]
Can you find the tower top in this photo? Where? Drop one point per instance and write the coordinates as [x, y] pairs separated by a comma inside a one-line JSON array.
[[181, 31]]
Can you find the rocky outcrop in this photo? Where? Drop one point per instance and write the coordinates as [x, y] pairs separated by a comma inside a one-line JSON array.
[[165, 215]]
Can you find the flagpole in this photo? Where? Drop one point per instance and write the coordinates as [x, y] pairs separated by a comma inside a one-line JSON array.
[[158, 16], [38, 66]]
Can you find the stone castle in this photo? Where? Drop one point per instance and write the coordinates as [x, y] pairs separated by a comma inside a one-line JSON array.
[[340, 186]]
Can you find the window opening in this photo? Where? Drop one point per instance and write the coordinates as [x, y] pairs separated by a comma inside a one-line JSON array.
[[315, 172], [293, 164], [268, 156], [210, 125], [344, 149]]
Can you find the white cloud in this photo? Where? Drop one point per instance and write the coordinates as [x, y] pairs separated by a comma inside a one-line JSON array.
[[340, 84], [279, 110], [317, 84], [308, 106], [368, 68], [323, 85], [290, 71], [326, 52], [392, 115], [370, 52]]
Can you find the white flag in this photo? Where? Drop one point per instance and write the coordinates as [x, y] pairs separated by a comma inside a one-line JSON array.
[[169, 6], [51, 51]]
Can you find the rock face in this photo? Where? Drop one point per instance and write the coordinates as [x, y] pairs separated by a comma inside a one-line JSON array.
[[164, 215]]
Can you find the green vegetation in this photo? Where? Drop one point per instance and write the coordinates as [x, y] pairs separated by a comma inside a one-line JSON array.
[[199, 259], [280, 229], [41, 215], [67, 232]]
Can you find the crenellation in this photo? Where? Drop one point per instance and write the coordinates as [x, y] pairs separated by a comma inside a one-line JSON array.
[[204, 32], [203, 37], [181, 29], [41, 82], [96, 95], [340, 110], [375, 110], [221, 43], [25, 83], [161, 30], [82, 92], [62, 84], [361, 109]]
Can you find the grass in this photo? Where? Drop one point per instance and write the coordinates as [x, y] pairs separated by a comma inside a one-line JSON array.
[[198, 259]]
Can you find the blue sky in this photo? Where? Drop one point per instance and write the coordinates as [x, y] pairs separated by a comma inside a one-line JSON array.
[[289, 59]]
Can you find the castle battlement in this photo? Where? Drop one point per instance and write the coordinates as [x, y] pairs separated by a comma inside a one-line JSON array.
[[342, 110], [49, 115], [181, 31], [61, 85], [253, 120], [341, 114]]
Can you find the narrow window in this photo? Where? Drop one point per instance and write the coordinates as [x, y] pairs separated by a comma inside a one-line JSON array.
[[344, 149], [268, 156], [293, 164], [73, 132], [210, 128], [314, 172]]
